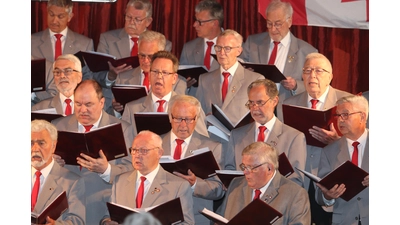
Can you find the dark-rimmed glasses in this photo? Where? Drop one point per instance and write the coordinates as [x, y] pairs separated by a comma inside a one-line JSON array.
[[250, 168], [179, 120], [345, 116], [66, 72], [141, 151], [249, 104], [318, 71], [227, 49]]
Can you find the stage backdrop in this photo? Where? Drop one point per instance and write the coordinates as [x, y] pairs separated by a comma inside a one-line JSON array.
[[347, 48]]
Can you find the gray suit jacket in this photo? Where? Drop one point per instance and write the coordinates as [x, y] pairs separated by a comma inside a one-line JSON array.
[[98, 190], [54, 102], [59, 180], [344, 212], [169, 186], [256, 49], [145, 104], [206, 190], [209, 92], [41, 47], [193, 54], [284, 138], [282, 194], [314, 153]]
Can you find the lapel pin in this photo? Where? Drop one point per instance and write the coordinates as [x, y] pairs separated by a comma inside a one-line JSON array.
[[290, 58], [155, 190]]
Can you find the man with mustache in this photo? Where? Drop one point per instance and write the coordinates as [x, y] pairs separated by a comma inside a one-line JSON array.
[[50, 179], [317, 76], [99, 173], [67, 75], [44, 43]]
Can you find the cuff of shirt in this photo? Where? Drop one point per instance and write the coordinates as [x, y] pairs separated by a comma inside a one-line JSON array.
[[106, 175], [328, 202]]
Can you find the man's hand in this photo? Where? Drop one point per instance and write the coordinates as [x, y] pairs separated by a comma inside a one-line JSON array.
[[324, 136], [191, 177], [190, 82], [59, 160], [50, 221], [365, 182], [117, 106], [333, 193], [289, 83], [98, 165], [114, 71]]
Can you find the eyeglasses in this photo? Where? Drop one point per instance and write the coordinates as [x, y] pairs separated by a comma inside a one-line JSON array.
[[136, 20], [249, 168], [201, 22], [141, 151], [66, 72], [162, 73], [249, 104], [277, 25], [143, 56], [318, 71], [227, 49], [345, 116], [187, 120]]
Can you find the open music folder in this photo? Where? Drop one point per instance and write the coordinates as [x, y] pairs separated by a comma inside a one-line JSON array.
[[124, 93], [109, 138], [97, 61], [157, 122], [54, 210], [192, 71], [38, 75], [270, 72]]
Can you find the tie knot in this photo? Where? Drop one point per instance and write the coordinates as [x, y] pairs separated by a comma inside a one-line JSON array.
[[276, 43], [355, 144], [210, 44], [146, 74], [262, 129], [134, 39], [161, 102], [179, 141], [58, 36], [225, 74], [142, 178], [38, 173], [314, 103], [257, 194], [87, 127], [68, 100]]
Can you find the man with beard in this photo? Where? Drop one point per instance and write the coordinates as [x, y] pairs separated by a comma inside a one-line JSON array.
[[67, 75], [50, 179]]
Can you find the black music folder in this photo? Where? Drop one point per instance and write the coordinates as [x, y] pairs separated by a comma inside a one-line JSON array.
[[270, 72], [347, 173], [54, 210], [97, 61], [109, 138], [38, 75], [193, 71], [157, 122], [127, 93], [226, 176]]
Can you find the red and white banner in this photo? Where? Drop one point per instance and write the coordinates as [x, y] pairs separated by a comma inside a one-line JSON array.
[[327, 13]]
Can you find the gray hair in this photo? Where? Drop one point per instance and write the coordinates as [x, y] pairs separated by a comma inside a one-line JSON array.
[[184, 99], [237, 36], [145, 218], [265, 152], [61, 3], [155, 138], [72, 58], [39, 125], [214, 8], [317, 55], [286, 6], [270, 87], [150, 36], [142, 5], [357, 101]]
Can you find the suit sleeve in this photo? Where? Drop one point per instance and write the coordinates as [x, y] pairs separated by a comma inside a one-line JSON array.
[[76, 212]]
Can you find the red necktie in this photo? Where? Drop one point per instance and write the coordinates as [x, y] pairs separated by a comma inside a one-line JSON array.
[[273, 53], [35, 190], [134, 50], [140, 193], [68, 108], [261, 136], [354, 158], [257, 194], [224, 89], [160, 105], [87, 129], [178, 149], [58, 49], [146, 81], [207, 58], [314, 103]]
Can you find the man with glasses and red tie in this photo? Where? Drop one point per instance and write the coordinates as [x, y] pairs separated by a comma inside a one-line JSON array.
[[281, 48], [263, 98], [149, 184], [352, 114], [262, 180], [319, 95], [67, 75]]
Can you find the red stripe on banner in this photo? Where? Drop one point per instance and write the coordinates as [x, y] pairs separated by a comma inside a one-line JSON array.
[[299, 10], [367, 7]]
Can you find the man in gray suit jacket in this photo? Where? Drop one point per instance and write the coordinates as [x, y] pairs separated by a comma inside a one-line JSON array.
[[149, 43], [260, 167], [99, 173], [352, 112], [52, 178], [317, 75], [263, 98], [59, 14], [158, 185], [119, 43], [209, 18], [209, 92], [291, 51], [68, 73], [184, 111]]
